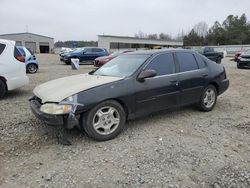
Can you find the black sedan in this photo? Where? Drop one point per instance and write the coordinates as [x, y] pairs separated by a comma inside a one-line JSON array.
[[130, 86], [244, 60]]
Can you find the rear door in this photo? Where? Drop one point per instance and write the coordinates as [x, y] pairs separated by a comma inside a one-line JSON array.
[[192, 77], [160, 92]]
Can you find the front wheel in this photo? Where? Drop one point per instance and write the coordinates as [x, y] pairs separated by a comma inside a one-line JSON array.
[[105, 121], [208, 99]]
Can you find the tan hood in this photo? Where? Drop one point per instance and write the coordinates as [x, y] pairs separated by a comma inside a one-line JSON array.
[[59, 89]]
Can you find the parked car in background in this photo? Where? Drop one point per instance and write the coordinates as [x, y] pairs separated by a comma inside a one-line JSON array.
[[65, 51], [12, 67], [131, 85], [30, 59], [100, 61], [85, 54], [244, 60], [211, 54], [238, 54]]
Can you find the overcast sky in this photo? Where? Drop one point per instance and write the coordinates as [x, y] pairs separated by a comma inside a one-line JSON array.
[[85, 19]]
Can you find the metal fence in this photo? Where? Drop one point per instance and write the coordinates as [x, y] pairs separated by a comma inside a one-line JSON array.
[[230, 49]]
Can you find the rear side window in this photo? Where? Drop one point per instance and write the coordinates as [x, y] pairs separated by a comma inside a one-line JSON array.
[[200, 61], [2, 47], [21, 51], [17, 53], [186, 61], [163, 64]]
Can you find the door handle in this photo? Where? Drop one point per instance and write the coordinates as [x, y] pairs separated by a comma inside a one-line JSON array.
[[205, 75], [174, 82]]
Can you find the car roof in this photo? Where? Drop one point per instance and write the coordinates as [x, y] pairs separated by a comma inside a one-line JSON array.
[[7, 41], [154, 52]]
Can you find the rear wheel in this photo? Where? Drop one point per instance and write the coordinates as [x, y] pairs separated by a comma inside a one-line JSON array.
[[208, 99], [3, 89], [105, 121], [31, 68]]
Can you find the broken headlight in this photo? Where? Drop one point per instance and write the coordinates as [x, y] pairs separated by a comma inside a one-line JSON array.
[[56, 109]]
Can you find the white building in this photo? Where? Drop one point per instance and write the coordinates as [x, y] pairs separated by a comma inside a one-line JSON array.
[[112, 43], [36, 43]]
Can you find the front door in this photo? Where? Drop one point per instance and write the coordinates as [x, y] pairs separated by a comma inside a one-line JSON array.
[[160, 92]]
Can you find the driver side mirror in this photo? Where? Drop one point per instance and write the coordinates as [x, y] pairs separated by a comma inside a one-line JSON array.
[[149, 73]]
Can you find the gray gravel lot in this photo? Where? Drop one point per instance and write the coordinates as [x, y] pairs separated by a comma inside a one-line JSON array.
[[183, 148]]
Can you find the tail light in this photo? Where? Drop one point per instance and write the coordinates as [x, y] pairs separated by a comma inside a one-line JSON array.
[[20, 58]]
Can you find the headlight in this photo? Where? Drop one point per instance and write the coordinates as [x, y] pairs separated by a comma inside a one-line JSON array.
[[56, 109]]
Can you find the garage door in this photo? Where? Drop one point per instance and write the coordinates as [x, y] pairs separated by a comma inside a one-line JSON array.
[[44, 47], [31, 46], [18, 43]]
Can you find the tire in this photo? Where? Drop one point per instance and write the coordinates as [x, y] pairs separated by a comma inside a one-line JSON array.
[[238, 66], [3, 89], [218, 61], [207, 102], [31, 68], [68, 62], [109, 117]]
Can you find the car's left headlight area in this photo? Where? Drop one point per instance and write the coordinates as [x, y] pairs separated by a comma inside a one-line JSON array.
[[56, 109]]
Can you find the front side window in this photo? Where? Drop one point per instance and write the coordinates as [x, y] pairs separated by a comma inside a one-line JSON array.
[[88, 50], [186, 61], [2, 46], [163, 64], [122, 66]]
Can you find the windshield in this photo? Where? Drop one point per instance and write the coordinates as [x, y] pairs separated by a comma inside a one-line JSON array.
[[247, 52], [122, 66]]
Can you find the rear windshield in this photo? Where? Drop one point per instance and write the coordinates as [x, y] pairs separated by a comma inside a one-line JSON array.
[[30, 51], [2, 46]]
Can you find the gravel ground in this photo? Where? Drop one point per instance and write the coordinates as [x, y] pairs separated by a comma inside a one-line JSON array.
[[183, 148]]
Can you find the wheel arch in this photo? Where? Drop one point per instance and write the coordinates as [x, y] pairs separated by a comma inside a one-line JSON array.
[[4, 81], [216, 85], [121, 102]]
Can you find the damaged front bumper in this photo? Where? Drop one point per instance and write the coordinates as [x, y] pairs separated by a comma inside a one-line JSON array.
[[68, 121]]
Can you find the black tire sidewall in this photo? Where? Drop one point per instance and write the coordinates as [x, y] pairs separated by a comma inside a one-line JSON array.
[[2, 89], [28, 68], [88, 126], [202, 105]]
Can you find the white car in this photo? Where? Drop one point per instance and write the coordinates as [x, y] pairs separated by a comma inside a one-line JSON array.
[[12, 67]]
